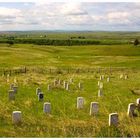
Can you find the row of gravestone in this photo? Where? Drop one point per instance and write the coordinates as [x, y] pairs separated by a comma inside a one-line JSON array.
[[100, 83], [94, 109]]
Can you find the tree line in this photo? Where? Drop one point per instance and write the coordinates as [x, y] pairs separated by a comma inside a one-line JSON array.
[[62, 42]]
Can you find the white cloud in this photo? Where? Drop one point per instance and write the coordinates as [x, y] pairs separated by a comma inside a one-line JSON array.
[[118, 17], [70, 16], [11, 12]]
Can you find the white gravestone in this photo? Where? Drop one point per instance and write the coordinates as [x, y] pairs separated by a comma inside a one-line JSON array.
[[8, 80], [15, 80], [47, 107], [101, 85], [80, 86], [64, 84], [59, 82], [138, 103], [131, 110], [38, 90], [11, 95], [113, 119], [80, 102], [16, 117], [101, 77], [71, 80], [98, 83], [55, 82], [126, 77], [94, 108], [100, 92], [49, 87], [108, 79], [67, 86], [121, 76]]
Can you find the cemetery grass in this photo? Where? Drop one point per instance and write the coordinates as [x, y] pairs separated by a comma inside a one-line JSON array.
[[65, 119]]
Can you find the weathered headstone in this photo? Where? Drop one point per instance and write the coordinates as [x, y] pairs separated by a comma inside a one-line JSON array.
[[80, 102], [113, 119], [38, 90], [100, 92], [94, 108], [47, 107], [131, 110], [40, 96], [16, 117], [11, 95]]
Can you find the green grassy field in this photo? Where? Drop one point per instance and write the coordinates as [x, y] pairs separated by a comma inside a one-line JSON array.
[[65, 119]]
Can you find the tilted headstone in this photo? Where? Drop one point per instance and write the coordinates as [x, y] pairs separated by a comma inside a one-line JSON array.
[[16, 117], [94, 108], [131, 110], [40, 96], [80, 102], [11, 95], [113, 119], [38, 90], [47, 107], [100, 92]]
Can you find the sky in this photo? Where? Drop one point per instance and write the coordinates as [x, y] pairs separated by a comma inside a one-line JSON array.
[[78, 16]]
